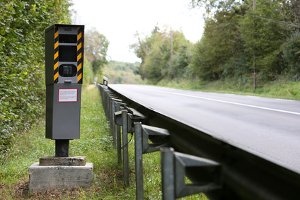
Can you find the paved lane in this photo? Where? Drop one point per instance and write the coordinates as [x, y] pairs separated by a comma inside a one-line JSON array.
[[269, 128]]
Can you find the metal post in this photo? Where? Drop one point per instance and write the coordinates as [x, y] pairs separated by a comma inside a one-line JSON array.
[[118, 137], [61, 148], [112, 122], [125, 148], [138, 161], [119, 149], [110, 113], [107, 104], [167, 173]]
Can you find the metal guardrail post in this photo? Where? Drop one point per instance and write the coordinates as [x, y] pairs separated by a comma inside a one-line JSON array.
[[106, 93], [142, 134], [204, 174], [115, 128], [110, 113], [118, 123], [112, 122], [125, 148], [167, 173], [139, 178], [105, 80]]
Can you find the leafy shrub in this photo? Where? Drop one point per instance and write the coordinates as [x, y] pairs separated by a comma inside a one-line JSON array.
[[22, 91], [291, 55]]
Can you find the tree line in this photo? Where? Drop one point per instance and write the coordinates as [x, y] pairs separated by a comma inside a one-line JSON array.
[[241, 40]]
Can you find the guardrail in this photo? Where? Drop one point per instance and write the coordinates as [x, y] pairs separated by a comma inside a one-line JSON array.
[[219, 170]]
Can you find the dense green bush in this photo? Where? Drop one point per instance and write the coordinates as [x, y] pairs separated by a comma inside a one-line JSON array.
[[22, 92], [291, 55]]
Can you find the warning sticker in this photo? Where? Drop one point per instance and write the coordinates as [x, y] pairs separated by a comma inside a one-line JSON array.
[[67, 95]]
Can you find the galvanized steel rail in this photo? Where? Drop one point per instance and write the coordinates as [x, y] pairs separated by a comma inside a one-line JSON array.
[[221, 171]]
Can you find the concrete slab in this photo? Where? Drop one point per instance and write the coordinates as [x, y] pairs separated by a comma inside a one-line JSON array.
[[63, 161], [44, 178]]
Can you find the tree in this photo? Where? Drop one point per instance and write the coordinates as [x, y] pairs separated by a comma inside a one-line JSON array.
[[218, 53], [96, 46], [216, 6], [291, 55], [164, 54], [263, 34]]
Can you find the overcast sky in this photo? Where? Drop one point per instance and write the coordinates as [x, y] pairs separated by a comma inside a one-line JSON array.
[[120, 20]]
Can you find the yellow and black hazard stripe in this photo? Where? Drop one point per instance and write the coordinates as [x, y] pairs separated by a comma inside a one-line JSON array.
[[56, 55], [80, 56]]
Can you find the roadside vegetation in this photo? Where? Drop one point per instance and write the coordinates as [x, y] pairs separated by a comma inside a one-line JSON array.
[[95, 143], [281, 88], [249, 46], [122, 72]]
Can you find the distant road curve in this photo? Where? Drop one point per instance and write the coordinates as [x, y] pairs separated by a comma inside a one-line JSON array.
[[268, 128]]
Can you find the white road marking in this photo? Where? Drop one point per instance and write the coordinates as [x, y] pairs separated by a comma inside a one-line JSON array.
[[235, 103]]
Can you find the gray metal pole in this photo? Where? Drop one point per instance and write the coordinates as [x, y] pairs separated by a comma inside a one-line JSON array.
[[125, 148], [119, 150], [110, 113], [167, 173], [113, 122], [118, 138], [138, 161], [61, 148]]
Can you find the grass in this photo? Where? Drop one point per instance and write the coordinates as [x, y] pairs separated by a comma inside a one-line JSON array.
[[95, 143], [277, 89]]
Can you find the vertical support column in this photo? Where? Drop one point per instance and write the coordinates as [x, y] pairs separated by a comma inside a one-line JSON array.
[[119, 149], [61, 148], [113, 122], [125, 148], [118, 137], [138, 161], [110, 113], [167, 173]]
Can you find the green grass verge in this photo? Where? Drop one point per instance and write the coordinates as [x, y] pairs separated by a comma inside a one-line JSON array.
[[95, 143], [277, 89]]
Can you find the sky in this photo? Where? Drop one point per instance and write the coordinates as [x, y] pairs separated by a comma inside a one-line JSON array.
[[120, 20]]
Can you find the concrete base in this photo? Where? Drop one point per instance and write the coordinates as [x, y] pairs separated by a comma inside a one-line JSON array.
[[44, 178], [63, 161]]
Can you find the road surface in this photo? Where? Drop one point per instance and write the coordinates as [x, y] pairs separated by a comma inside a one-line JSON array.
[[268, 128]]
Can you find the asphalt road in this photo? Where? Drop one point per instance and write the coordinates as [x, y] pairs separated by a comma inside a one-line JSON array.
[[269, 128]]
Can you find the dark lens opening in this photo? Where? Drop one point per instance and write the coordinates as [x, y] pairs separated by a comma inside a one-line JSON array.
[[67, 70], [67, 53], [65, 38]]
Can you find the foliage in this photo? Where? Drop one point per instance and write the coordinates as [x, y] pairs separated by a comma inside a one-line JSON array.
[[242, 37], [122, 72], [96, 46], [263, 37], [291, 55], [216, 6], [281, 88], [164, 54], [22, 24], [88, 75], [220, 52], [243, 40]]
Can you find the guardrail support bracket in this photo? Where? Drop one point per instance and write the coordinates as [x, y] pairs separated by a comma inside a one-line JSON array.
[[204, 175]]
